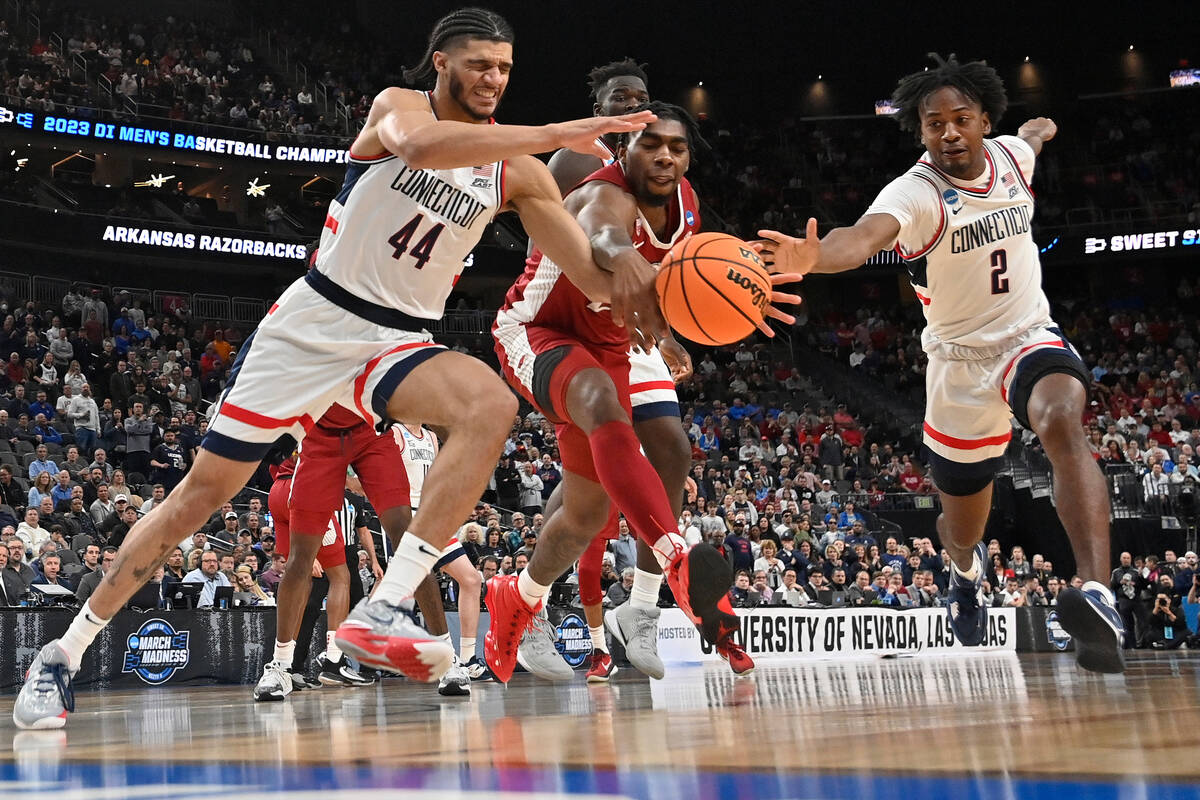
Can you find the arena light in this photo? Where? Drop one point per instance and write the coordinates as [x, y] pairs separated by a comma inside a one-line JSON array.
[[255, 189], [154, 181]]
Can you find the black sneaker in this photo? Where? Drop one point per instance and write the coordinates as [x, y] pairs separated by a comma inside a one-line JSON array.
[[1090, 615], [343, 673]]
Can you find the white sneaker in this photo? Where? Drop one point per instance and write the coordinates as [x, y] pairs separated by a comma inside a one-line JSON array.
[[275, 683], [456, 682], [46, 696]]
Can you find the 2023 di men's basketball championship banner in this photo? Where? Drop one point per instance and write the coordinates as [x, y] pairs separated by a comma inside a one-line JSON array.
[[819, 633]]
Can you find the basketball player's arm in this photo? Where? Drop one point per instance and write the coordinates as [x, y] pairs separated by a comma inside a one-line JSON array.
[[1036, 132], [607, 214], [401, 122], [532, 194], [842, 249], [568, 168]]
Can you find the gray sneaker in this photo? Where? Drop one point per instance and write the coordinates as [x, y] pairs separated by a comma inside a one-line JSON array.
[[456, 682], [275, 684], [637, 631], [388, 637], [537, 653], [46, 696]]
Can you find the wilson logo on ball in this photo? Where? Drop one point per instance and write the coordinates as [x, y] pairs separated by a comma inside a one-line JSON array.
[[758, 294]]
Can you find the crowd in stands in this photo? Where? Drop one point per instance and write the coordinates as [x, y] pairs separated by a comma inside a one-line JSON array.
[[101, 410], [198, 70]]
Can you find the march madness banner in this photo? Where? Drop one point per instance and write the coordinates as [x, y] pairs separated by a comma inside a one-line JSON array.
[[800, 633]]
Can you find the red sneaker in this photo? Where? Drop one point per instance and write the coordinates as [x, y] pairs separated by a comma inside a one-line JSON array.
[[700, 579], [739, 661], [602, 669], [509, 616]]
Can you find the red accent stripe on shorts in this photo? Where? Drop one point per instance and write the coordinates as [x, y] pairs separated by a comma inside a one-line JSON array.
[[331, 223], [360, 383], [375, 157], [1013, 362], [274, 307], [924, 300], [646, 386], [249, 417], [966, 444]]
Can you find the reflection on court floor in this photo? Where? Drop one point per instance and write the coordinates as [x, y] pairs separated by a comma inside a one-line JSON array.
[[982, 726]]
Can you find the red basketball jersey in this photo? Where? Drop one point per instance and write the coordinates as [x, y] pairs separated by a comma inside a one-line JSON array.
[[544, 297]]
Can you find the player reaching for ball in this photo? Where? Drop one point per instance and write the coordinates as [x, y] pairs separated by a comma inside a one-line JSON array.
[[424, 178], [618, 88], [961, 220], [569, 358]]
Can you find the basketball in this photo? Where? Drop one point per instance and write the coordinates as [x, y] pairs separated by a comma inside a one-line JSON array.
[[713, 289]]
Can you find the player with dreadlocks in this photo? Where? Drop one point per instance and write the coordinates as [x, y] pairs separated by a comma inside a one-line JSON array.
[[961, 219], [424, 178], [618, 88]]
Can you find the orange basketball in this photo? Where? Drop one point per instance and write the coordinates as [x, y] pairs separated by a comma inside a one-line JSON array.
[[713, 289]]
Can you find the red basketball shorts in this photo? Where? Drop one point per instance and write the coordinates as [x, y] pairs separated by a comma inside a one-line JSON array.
[[540, 364]]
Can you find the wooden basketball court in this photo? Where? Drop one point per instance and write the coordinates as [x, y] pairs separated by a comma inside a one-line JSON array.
[[982, 726]]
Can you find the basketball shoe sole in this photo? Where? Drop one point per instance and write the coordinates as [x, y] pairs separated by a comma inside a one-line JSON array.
[[1095, 627]]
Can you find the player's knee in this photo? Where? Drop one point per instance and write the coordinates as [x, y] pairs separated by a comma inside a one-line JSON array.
[[1057, 425], [490, 411], [592, 399], [676, 459], [339, 576], [470, 581]]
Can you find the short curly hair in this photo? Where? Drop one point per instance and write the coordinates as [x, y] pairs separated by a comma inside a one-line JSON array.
[[599, 77], [975, 79]]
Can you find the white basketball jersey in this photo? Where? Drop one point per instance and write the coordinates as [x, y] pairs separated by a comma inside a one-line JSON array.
[[969, 247], [419, 453], [400, 237]]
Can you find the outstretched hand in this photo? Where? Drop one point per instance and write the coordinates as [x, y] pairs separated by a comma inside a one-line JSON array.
[[1043, 128], [580, 135], [788, 253], [767, 250], [772, 311]]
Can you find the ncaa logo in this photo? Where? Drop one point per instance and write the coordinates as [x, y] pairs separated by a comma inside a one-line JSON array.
[[574, 641], [689, 218], [1058, 638], [156, 651], [952, 200]]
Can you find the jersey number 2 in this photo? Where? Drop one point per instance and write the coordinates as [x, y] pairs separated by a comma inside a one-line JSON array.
[[999, 267], [423, 249]]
